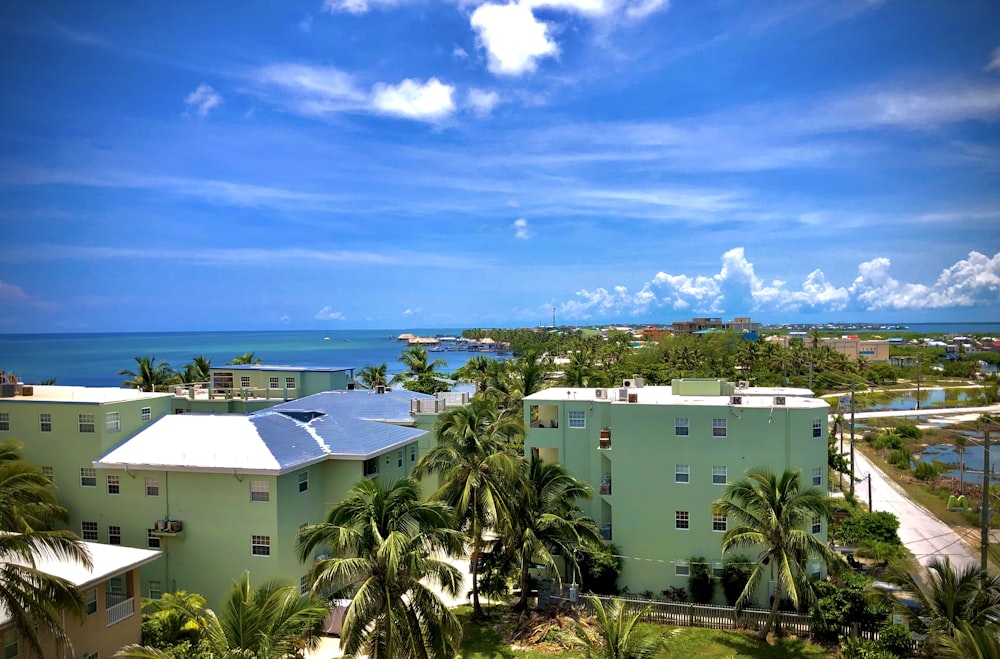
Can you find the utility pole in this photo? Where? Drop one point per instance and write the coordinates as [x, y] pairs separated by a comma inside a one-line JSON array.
[[852, 441], [918, 384], [987, 481]]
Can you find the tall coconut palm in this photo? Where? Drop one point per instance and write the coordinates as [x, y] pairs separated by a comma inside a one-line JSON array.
[[615, 633], [373, 376], [198, 370], [771, 514], [150, 375], [385, 543], [246, 359], [546, 522], [970, 642], [33, 600], [482, 371], [271, 621], [417, 363], [476, 470]]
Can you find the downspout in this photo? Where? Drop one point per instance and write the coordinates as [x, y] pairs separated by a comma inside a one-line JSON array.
[[788, 439]]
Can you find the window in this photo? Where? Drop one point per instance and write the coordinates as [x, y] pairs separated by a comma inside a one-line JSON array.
[[152, 486], [48, 473], [4, 420], [817, 427], [260, 491], [146, 413], [413, 454], [577, 419], [718, 427], [682, 519], [304, 481], [260, 545], [45, 422], [303, 585], [719, 475], [152, 541], [682, 473], [371, 467], [289, 383], [87, 423], [89, 530], [399, 458], [817, 524], [718, 522], [114, 484], [91, 601], [817, 476], [718, 568], [88, 477], [155, 590], [273, 382], [682, 570], [112, 422], [114, 535], [681, 427], [245, 381], [10, 644]]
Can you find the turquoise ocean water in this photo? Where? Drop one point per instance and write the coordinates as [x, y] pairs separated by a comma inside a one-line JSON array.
[[95, 359]]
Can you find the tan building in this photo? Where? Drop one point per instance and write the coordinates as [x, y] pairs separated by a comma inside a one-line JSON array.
[[850, 346], [111, 590]]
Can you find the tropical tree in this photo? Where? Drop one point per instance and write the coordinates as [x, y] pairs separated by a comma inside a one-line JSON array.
[[198, 370], [149, 375], [772, 514], [384, 542], [615, 633], [477, 471], [421, 374], [373, 376], [482, 371], [246, 359], [546, 522], [32, 600], [971, 642]]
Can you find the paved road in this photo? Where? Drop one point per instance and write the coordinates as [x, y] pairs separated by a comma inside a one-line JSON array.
[[922, 533]]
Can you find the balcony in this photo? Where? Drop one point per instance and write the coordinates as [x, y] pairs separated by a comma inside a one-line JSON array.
[[121, 611], [167, 528], [604, 443], [606, 532], [606, 485]]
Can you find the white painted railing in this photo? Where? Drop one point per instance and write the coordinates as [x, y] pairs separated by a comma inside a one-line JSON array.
[[121, 611]]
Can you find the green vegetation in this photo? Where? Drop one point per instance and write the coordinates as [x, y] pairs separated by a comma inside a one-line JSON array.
[[701, 582]]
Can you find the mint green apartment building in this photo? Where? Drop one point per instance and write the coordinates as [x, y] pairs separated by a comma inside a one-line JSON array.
[[657, 457]]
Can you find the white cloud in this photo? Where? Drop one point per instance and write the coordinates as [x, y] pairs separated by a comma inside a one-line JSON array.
[[513, 38], [994, 64], [415, 100], [13, 295], [521, 230], [306, 24], [482, 101], [327, 313], [459, 53], [357, 6], [202, 100], [411, 312], [737, 288]]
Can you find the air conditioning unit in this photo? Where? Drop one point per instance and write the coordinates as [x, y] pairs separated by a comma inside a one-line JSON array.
[[743, 384], [623, 394], [637, 381], [779, 400], [736, 400], [600, 393], [628, 383]]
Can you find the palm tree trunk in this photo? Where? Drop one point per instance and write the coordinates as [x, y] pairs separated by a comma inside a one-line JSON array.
[[774, 613], [522, 604], [477, 609]]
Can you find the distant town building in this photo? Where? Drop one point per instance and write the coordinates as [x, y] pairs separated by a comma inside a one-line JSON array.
[[740, 324]]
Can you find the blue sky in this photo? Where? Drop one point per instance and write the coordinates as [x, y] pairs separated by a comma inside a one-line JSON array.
[[422, 163]]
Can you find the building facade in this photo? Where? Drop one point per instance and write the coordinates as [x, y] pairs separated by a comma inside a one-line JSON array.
[[658, 457]]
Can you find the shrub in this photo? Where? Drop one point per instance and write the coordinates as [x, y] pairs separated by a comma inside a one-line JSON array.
[[701, 583], [900, 458], [862, 648], [600, 569], [925, 471], [896, 639], [868, 528], [674, 594], [909, 430], [889, 441], [735, 576]]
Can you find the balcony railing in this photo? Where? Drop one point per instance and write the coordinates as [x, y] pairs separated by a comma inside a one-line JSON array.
[[121, 611]]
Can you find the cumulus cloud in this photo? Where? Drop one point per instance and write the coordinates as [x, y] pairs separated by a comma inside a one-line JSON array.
[[459, 53], [13, 295], [521, 230], [737, 287], [327, 313], [482, 101], [414, 99], [202, 100], [513, 37], [357, 6], [411, 312], [994, 64]]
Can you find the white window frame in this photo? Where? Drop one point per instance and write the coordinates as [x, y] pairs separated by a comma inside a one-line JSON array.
[[274, 382], [413, 454], [303, 584], [260, 492], [152, 540], [303, 481], [114, 531], [145, 414], [682, 474], [152, 486], [817, 428], [244, 382], [5, 421], [114, 484], [717, 471], [260, 545], [155, 589], [112, 422], [45, 422], [399, 458], [682, 569], [48, 472], [717, 521], [817, 479], [682, 426], [289, 383], [87, 423], [88, 477], [576, 419], [91, 605], [817, 524], [88, 530], [682, 517], [720, 428]]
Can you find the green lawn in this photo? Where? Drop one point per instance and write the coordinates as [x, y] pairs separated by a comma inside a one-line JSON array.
[[483, 642]]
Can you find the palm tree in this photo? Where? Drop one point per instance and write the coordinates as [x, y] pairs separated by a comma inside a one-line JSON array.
[[417, 365], [476, 470], [32, 600], [971, 642], [772, 514], [481, 370], [271, 621], [149, 375], [246, 359], [373, 376], [198, 370], [615, 634], [546, 521], [385, 541]]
